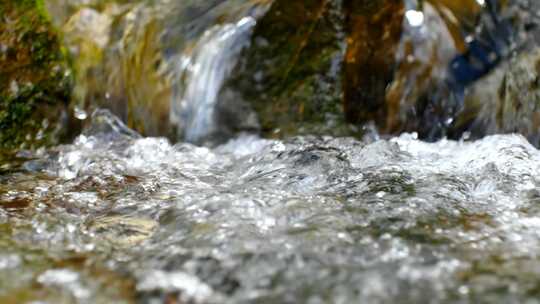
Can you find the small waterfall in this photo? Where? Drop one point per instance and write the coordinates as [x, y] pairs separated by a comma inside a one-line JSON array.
[[202, 72]]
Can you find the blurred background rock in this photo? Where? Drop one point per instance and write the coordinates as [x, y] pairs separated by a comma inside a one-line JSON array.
[[35, 79], [203, 71]]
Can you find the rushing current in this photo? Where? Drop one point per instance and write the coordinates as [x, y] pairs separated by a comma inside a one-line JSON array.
[[115, 217], [204, 72]]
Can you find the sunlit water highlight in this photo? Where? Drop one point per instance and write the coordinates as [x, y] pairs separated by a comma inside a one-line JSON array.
[[307, 220], [203, 72]]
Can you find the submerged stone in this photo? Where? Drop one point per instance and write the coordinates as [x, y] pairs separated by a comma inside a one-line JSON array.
[[122, 230]]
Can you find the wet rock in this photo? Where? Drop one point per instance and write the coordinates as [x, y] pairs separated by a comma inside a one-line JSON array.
[[321, 67], [35, 82], [507, 101], [448, 69], [397, 63], [374, 29], [118, 61], [131, 55], [291, 73], [421, 59], [335, 67]]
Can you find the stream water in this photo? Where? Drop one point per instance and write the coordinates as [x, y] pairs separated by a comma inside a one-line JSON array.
[[115, 217]]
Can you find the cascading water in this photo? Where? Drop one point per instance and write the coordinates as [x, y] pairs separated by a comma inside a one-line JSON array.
[[158, 65], [203, 72]]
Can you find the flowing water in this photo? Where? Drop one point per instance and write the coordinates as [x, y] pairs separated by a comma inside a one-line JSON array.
[[158, 65], [117, 217], [212, 60]]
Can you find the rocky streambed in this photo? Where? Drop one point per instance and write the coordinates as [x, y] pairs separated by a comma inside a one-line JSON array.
[[257, 151]]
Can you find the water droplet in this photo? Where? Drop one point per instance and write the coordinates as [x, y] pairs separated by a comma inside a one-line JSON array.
[[80, 113]]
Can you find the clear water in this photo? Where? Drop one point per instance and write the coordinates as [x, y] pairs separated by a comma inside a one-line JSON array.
[[203, 73], [115, 217], [158, 65]]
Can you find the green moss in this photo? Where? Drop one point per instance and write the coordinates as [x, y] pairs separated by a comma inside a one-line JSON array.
[[291, 72], [35, 86]]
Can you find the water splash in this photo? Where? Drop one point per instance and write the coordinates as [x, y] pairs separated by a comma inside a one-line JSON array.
[[203, 72], [307, 220]]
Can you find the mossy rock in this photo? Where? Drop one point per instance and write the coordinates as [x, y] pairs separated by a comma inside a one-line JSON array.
[[291, 73], [334, 67], [35, 80]]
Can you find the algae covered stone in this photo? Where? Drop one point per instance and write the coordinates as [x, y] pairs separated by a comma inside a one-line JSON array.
[[291, 73], [35, 81]]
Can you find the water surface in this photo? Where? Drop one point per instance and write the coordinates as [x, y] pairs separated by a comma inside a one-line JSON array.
[[118, 217]]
